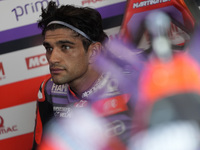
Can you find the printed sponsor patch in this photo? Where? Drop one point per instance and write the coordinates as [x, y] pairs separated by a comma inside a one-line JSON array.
[[62, 89], [62, 112], [113, 105]]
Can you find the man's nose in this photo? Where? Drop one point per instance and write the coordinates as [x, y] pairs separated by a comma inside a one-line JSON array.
[[54, 57]]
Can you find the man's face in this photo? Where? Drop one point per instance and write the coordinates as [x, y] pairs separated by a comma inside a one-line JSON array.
[[65, 53]]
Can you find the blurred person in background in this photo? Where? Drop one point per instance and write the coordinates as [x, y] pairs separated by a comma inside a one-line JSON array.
[[73, 39]]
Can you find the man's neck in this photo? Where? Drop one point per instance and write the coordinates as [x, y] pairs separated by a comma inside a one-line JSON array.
[[84, 83]]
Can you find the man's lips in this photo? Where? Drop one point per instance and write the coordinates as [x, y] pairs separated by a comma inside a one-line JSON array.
[[56, 70]]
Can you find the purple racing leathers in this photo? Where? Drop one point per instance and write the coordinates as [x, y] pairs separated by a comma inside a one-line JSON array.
[[107, 98]]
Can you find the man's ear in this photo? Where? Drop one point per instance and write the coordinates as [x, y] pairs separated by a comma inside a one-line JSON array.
[[94, 50]]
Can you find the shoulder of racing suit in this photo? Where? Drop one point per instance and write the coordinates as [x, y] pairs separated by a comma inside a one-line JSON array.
[[41, 92], [48, 90]]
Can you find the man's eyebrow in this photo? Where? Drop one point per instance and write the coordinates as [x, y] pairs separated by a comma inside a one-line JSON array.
[[59, 42], [46, 44], [65, 42]]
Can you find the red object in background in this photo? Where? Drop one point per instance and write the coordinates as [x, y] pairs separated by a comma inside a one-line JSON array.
[[161, 79], [136, 11], [21, 92], [16, 94], [22, 142]]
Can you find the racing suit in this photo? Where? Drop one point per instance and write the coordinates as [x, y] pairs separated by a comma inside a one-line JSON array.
[[105, 97]]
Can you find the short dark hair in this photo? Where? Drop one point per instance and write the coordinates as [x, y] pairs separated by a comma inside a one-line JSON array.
[[86, 19]]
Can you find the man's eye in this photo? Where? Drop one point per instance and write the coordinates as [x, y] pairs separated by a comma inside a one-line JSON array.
[[49, 49], [65, 47]]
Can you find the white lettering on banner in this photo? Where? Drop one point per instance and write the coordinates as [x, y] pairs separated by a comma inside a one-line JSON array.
[[148, 2], [36, 61], [17, 120], [19, 11], [2, 73]]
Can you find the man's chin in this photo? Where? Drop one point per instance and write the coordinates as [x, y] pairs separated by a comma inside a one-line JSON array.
[[58, 81]]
